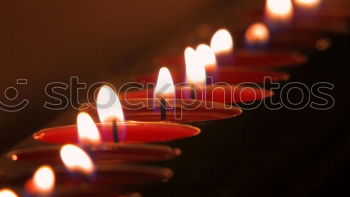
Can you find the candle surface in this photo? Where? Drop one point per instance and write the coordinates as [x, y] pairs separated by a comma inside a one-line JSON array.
[[248, 59], [177, 110], [129, 132], [229, 94], [104, 153]]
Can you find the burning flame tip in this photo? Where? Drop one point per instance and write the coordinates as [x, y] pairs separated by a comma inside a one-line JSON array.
[[165, 86], [76, 159], [222, 41], [5, 192], [108, 105]]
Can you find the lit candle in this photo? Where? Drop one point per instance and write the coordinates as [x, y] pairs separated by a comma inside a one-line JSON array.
[[117, 153], [256, 35], [128, 132], [5, 192], [219, 93], [43, 182], [278, 12]]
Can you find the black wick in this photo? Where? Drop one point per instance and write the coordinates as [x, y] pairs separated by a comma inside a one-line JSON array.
[[162, 109], [115, 131]]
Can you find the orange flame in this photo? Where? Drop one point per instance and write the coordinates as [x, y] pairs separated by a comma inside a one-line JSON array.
[[7, 193], [43, 180], [222, 42], [108, 105], [281, 10], [87, 129], [77, 160], [207, 56], [165, 85], [195, 70], [257, 33]]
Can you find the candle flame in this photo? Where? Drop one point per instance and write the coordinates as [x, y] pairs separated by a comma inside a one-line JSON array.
[[279, 9], [308, 3], [222, 42], [165, 85], [7, 193], [195, 70], [77, 160], [87, 129], [108, 105], [43, 180], [207, 56], [257, 33]]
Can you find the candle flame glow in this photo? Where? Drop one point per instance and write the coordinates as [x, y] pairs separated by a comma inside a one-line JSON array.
[[77, 160], [108, 105], [307, 3], [279, 9], [87, 130], [257, 33], [207, 56], [44, 180], [195, 70], [165, 85], [222, 42], [7, 193]]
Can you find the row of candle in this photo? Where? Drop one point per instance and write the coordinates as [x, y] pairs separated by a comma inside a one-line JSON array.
[[94, 152]]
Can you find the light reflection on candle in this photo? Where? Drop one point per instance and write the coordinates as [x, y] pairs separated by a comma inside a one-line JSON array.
[[207, 56], [195, 70], [165, 86], [87, 129], [76, 160], [222, 42], [281, 10], [43, 180], [257, 33], [7, 193], [108, 105], [307, 3]]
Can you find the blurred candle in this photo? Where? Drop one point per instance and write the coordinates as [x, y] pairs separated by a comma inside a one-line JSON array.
[[278, 12], [5, 192], [43, 182], [257, 35], [223, 46]]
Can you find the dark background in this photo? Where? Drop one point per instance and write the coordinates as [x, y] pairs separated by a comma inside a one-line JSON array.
[[261, 153]]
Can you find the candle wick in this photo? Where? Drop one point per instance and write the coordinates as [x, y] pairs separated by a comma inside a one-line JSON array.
[[193, 92], [115, 131], [162, 109]]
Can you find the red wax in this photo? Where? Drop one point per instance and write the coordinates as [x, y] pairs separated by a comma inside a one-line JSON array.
[[128, 132], [102, 154], [178, 110], [228, 94], [231, 75], [248, 59], [105, 175]]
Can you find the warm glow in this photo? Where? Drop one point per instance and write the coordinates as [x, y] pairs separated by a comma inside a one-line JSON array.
[[308, 3], [257, 33], [108, 105], [279, 9], [43, 180], [87, 130], [207, 56], [165, 86], [75, 159], [222, 42], [195, 70], [7, 193]]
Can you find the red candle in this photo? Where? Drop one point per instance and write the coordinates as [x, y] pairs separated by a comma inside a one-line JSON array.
[[177, 110], [243, 58], [228, 94], [103, 154], [231, 75], [128, 132]]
